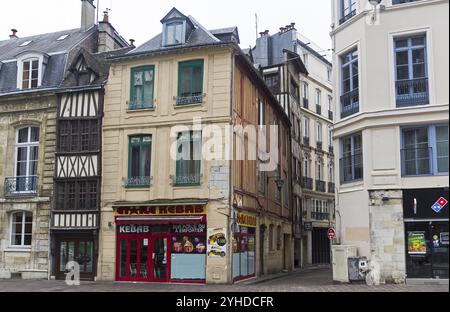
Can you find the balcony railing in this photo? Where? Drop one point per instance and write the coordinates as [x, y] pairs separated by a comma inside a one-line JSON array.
[[412, 92], [331, 187], [21, 186], [347, 17], [318, 109], [350, 103], [394, 2], [138, 182], [306, 141], [307, 183], [187, 180], [306, 103], [188, 100], [330, 115], [320, 186], [351, 168], [417, 161], [320, 215], [138, 106], [319, 145]]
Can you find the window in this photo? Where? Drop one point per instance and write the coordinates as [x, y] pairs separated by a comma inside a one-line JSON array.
[[318, 101], [190, 82], [21, 229], [352, 160], [261, 115], [142, 88], [349, 84], [294, 90], [77, 195], [27, 157], [306, 170], [61, 38], [174, 33], [305, 90], [271, 238], [279, 238], [286, 189], [331, 173], [306, 59], [319, 210], [425, 150], [277, 190], [140, 154], [319, 132], [306, 127], [261, 179], [330, 138], [348, 10], [329, 74], [411, 71], [319, 171], [30, 73], [273, 82], [189, 149], [78, 135], [25, 43]]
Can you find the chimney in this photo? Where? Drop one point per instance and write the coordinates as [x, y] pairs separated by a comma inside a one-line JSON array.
[[87, 14], [106, 16], [132, 42], [14, 34]]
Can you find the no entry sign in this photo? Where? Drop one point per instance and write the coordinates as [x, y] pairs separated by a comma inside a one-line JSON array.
[[331, 233]]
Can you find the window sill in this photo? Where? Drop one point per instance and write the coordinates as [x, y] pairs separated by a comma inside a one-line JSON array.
[[189, 105], [18, 249], [150, 109], [137, 187], [180, 186]]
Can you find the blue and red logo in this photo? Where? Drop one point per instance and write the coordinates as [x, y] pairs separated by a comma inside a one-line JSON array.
[[439, 205]]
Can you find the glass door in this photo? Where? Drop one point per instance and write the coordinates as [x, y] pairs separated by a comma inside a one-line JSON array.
[[439, 237], [79, 250], [160, 258]]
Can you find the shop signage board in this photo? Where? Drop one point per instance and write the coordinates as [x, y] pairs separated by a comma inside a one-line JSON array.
[[245, 219], [308, 226], [160, 210], [217, 242], [331, 233], [416, 243], [439, 205]]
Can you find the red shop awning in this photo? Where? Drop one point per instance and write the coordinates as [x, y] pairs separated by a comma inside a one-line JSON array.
[[161, 220]]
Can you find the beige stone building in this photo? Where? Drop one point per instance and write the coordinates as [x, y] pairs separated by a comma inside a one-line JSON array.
[[182, 217], [391, 134]]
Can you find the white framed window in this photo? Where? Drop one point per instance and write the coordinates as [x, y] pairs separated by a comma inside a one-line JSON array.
[[306, 127], [330, 103], [21, 229], [173, 33], [329, 74], [331, 173], [30, 68], [319, 132], [306, 167], [306, 59], [305, 90], [27, 157], [318, 97], [319, 170]]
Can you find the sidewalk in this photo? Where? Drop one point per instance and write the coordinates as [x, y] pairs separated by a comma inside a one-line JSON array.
[[271, 277]]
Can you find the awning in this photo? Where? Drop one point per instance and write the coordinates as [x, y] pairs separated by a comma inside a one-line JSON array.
[[161, 220]]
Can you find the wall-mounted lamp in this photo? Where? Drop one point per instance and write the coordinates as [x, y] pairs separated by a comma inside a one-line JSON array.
[[374, 3]]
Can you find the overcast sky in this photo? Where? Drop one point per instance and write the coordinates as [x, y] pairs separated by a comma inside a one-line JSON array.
[[140, 19]]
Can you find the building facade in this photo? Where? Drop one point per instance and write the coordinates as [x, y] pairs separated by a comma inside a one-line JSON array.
[[168, 214], [293, 68], [391, 134], [36, 109]]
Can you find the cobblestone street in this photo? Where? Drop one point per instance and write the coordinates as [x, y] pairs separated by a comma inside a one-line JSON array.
[[309, 280]]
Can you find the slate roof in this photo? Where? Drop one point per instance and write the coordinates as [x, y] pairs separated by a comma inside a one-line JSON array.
[[200, 36]]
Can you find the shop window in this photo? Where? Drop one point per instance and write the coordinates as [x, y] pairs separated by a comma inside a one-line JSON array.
[[188, 166], [142, 87], [271, 238], [21, 229], [279, 238], [140, 153], [190, 82], [244, 252]]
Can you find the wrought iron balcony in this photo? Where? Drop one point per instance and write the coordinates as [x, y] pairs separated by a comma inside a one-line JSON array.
[[347, 17], [138, 106], [188, 100], [307, 183], [320, 186], [320, 215], [306, 103], [319, 145], [350, 103], [330, 115], [318, 109], [21, 186], [331, 187], [351, 168], [187, 180], [306, 141], [412, 92], [138, 182], [417, 161]]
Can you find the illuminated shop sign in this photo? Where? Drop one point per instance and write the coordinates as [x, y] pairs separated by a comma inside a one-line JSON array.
[[244, 219], [134, 229], [160, 210]]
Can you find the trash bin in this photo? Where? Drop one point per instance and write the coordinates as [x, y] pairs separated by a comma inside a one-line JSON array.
[[357, 269]]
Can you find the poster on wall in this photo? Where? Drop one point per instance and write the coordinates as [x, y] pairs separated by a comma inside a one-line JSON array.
[[217, 242], [417, 244]]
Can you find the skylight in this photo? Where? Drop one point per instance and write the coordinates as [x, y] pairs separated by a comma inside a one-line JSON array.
[[62, 37], [25, 43]]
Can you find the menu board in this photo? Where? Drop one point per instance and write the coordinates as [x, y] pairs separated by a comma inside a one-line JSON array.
[[188, 244], [417, 244], [217, 242]]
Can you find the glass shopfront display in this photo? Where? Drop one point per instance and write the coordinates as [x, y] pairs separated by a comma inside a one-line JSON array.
[[161, 253], [244, 252]]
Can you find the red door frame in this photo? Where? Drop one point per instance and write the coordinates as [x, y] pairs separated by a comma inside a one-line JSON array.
[[150, 260]]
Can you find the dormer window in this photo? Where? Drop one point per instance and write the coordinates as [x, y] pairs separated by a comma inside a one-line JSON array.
[[25, 43], [30, 74], [174, 33]]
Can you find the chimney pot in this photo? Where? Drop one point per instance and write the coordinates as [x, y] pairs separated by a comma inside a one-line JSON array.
[[14, 34], [106, 16], [132, 42]]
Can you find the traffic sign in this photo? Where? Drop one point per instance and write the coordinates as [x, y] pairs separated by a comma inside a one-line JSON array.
[[331, 233]]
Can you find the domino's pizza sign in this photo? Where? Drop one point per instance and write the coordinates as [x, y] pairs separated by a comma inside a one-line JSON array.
[[439, 205]]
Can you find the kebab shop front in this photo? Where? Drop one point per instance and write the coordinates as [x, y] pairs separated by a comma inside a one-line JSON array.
[[164, 244]]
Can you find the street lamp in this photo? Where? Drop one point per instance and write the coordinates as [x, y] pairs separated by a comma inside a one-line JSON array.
[[374, 3]]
